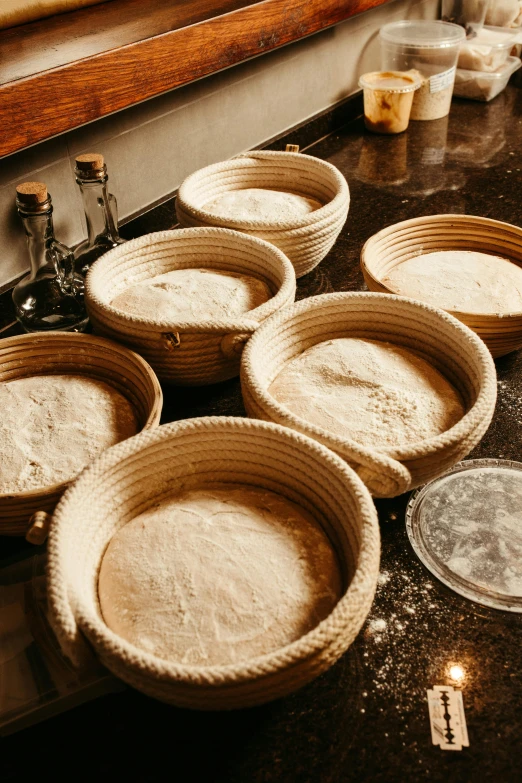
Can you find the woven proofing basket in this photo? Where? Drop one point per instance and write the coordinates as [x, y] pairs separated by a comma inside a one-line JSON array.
[[437, 337], [186, 353], [305, 241], [57, 353], [389, 247], [130, 477]]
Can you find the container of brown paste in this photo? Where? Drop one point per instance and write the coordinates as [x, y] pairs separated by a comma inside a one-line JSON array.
[[388, 97]]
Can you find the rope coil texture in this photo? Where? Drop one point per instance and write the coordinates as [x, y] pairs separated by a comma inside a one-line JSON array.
[[186, 354], [66, 352], [394, 244], [305, 241], [437, 337], [130, 477]]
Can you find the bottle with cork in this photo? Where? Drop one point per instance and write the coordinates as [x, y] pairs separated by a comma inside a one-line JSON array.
[[51, 296], [100, 211]]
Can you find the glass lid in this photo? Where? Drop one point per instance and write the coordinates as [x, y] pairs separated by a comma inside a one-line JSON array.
[[466, 527]]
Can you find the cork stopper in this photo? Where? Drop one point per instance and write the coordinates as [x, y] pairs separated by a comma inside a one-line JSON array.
[[91, 161], [31, 193]]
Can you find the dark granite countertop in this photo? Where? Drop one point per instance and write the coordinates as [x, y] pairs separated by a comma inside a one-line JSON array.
[[367, 718]]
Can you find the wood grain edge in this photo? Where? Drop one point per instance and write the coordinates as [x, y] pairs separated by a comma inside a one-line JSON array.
[[55, 101]]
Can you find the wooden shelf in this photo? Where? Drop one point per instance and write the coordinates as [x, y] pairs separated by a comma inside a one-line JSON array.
[[62, 72]]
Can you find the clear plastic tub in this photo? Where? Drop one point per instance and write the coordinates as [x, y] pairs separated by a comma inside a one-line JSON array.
[[432, 49], [487, 51], [388, 96], [469, 14], [503, 13], [484, 86], [466, 527]]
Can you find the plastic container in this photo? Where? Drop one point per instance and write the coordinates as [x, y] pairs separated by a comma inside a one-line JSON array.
[[388, 96], [466, 527], [484, 86], [432, 49], [503, 13], [470, 15], [487, 51]]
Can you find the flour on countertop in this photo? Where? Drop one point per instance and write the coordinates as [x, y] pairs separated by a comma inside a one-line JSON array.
[[261, 204], [193, 295], [460, 280], [52, 426], [376, 393], [217, 576]]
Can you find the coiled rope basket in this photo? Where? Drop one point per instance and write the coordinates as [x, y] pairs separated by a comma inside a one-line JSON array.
[[437, 337], [186, 353], [80, 354], [306, 240], [130, 477], [502, 332]]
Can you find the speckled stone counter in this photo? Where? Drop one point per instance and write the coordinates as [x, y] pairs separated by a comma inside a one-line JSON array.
[[367, 718]]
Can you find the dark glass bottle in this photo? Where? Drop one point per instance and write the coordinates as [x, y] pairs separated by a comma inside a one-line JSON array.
[[51, 296], [100, 211]]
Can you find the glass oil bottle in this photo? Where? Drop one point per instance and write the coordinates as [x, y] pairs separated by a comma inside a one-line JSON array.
[[51, 296], [100, 211]]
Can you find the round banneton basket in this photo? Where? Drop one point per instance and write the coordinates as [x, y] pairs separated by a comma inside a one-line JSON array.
[[502, 333], [305, 241], [130, 477], [437, 337], [186, 353], [58, 353]]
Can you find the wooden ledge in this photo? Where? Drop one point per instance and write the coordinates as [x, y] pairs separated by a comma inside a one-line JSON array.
[[74, 68]]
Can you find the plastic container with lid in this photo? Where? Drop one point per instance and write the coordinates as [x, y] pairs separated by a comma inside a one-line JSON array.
[[466, 527], [470, 15], [432, 49], [486, 51], [482, 85], [388, 96]]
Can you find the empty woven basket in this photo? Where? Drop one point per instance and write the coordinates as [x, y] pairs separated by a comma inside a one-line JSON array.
[[63, 353], [305, 241], [197, 452], [186, 353], [502, 333], [439, 338]]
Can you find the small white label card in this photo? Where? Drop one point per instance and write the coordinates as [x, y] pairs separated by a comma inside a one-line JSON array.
[[440, 81], [448, 723]]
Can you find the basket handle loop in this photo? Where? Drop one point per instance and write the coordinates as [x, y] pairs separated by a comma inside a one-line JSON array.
[[387, 479], [171, 341], [232, 344], [38, 528]]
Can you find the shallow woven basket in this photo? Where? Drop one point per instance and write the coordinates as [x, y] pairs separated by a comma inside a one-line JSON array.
[[305, 241], [82, 354], [389, 247], [184, 353], [130, 477], [436, 336]]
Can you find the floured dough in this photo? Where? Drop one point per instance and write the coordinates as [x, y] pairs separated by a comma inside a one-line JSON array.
[[376, 393], [219, 575], [193, 295], [52, 426], [460, 280], [261, 204]]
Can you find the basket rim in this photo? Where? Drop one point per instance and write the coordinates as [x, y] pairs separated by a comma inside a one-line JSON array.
[[336, 442], [307, 221], [96, 292], [100, 635], [91, 339], [449, 218]]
